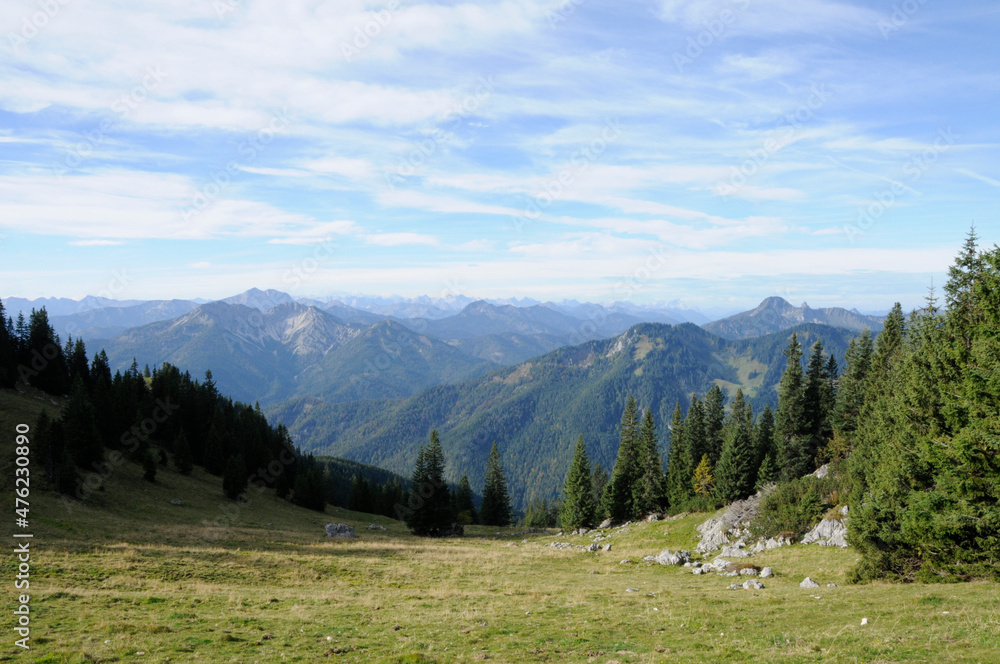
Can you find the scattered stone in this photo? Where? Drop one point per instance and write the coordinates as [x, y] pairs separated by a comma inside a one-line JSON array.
[[831, 585], [828, 532], [668, 557], [766, 573], [631, 590], [734, 551], [699, 570], [175, 501], [627, 561], [339, 530], [605, 524], [772, 543], [580, 531], [376, 526], [822, 471], [753, 584], [606, 547], [652, 517], [844, 510], [864, 621], [593, 571], [808, 583], [748, 571]]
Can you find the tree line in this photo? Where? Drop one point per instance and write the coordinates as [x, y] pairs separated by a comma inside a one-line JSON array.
[[154, 418]]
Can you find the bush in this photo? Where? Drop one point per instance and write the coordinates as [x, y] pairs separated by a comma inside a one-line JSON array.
[[792, 508]]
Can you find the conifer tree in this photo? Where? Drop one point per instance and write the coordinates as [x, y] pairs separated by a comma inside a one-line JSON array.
[[679, 466], [790, 422], [734, 474], [817, 401], [82, 439], [764, 438], [618, 500], [851, 385], [694, 432], [715, 416], [649, 490], [495, 510], [703, 481], [578, 492]]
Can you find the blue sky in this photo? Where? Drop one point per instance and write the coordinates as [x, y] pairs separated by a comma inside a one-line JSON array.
[[712, 152]]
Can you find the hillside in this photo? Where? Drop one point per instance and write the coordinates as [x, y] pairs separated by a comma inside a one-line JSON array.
[[537, 409], [775, 314]]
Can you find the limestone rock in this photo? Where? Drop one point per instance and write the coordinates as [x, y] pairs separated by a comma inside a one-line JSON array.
[[605, 524], [341, 530], [766, 573], [828, 532], [730, 526], [668, 557], [808, 583]]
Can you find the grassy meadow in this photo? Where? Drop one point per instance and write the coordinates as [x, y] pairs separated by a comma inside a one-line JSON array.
[[129, 577]]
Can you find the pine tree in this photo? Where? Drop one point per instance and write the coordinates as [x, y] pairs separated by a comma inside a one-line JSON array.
[[495, 510], [703, 481], [578, 492], [734, 474], [618, 501], [649, 491], [679, 466], [182, 454], [430, 510], [790, 423], [234, 478]]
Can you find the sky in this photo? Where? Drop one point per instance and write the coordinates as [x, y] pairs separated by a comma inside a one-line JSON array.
[[713, 152]]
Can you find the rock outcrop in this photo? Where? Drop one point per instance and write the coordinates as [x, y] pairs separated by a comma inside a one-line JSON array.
[[341, 530], [828, 532]]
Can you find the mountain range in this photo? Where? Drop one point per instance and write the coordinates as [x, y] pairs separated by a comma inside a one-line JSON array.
[[775, 313], [536, 410]]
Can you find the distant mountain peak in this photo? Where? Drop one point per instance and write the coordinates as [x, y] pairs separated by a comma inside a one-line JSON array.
[[776, 313]]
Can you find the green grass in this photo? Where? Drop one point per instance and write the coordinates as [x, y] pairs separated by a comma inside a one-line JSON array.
[[129, 573]]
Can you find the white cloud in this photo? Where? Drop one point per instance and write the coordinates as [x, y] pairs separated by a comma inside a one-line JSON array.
[[399, 239]]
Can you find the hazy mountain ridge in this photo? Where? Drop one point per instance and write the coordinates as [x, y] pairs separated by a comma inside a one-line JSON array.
[[775, 314]]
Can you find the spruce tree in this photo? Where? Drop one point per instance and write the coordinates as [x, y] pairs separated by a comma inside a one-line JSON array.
[[734, 474], [82, 439], [851, 384], [599, 479], [679, 466], [495, 510], [817, 401], [578, 492], [618, 498], [790, 423], [715, 415], [649, 491]]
